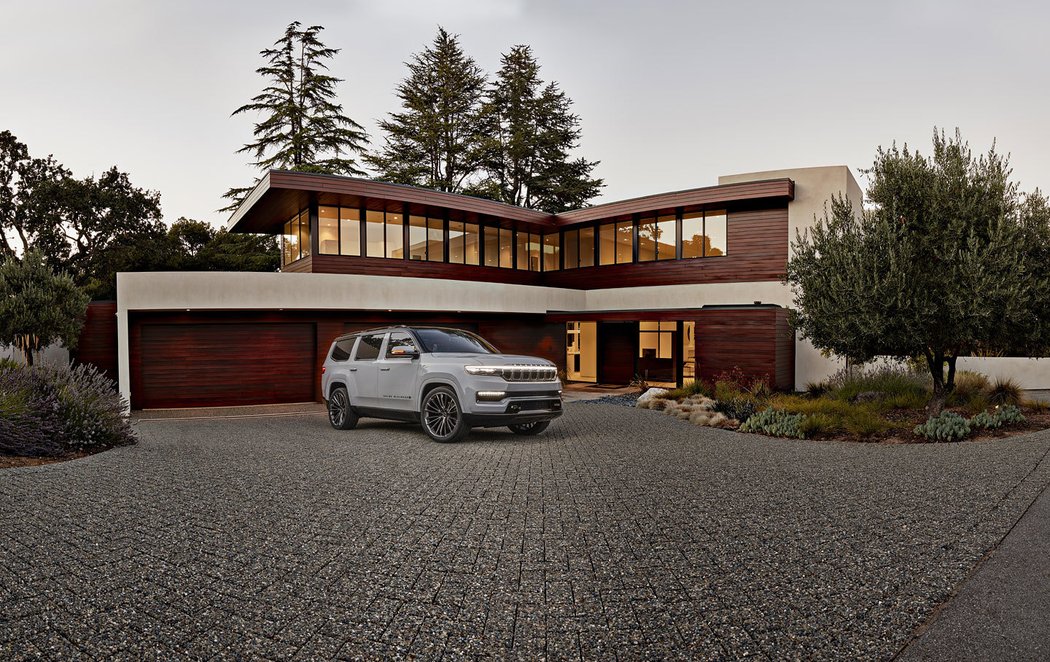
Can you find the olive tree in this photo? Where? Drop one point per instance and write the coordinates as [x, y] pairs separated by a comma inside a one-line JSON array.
[[37, 306], [950, 259]]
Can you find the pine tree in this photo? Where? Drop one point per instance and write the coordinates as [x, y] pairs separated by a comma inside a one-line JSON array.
[[530, 132], [433, 141], [302, 127]]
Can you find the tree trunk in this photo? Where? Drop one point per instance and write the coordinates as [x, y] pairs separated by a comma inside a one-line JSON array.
[[935, 362]]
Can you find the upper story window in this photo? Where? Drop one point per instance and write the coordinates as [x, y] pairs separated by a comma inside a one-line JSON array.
[[528, 250], [704, 234], [657, 238], [551, 252], [463, 242], [295, 238]]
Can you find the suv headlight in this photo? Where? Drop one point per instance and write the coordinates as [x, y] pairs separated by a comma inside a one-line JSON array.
[[486, 370]]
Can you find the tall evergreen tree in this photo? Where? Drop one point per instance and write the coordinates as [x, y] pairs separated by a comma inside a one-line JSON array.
[[302, 127], [530, 132], [433, 141]]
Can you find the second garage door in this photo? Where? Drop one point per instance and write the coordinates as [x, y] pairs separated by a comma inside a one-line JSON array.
[[202, 365]]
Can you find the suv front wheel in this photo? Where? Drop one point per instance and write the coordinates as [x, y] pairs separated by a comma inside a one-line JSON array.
[[340, 414], [442, 417]]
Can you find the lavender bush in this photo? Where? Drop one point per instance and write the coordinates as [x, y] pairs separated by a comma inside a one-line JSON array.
[[49, 410]]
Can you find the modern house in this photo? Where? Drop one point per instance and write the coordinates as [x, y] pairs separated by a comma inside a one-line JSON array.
[[669, 287]]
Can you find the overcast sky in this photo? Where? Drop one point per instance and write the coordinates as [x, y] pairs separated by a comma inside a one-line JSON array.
[[671, 94]]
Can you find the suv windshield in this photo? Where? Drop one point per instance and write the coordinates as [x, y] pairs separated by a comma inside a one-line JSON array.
[[452, 341]]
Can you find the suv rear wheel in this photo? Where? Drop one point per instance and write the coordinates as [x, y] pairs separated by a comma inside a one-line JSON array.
[[442, 417], [340, 414]]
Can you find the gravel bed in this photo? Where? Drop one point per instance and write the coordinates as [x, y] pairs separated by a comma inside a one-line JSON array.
[[619, 533], [624, 400]]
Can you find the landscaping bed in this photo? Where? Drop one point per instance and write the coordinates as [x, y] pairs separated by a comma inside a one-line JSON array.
[[55, 413], [888, 404]]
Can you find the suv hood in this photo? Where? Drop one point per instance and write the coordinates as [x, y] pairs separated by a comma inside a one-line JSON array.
[[499, 359]]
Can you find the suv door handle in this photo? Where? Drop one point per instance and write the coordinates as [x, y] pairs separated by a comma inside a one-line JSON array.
[[384, 370], [353, 369]]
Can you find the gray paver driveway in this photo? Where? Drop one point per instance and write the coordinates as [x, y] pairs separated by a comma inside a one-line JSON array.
[[622, 533]]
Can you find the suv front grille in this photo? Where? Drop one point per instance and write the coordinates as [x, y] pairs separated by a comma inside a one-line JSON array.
[[529, 373]]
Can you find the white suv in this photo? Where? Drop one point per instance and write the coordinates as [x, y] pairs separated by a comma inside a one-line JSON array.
[[448, 380]]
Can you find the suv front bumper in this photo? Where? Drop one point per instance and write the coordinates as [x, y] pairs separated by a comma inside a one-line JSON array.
[[523, 407]]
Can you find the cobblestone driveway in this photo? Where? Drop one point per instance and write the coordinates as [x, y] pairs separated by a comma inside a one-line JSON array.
[[620, 534]]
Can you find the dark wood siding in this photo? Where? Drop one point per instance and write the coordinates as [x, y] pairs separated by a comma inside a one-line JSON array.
[[97, 344], [378, 266], [757, 250], [785, 352], [752, 340], [213, 364]]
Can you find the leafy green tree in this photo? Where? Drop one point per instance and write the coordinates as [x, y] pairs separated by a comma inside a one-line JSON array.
[[74, 223], [302, 127], [950, 259], [433, 142], [530, 133], [25, 183], [37, 306]]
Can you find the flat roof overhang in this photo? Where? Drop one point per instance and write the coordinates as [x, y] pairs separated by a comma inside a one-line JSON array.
[[281, 194]]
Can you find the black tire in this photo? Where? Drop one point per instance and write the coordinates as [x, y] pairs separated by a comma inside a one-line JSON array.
[[442, 417], [530, 429], [340, 414]]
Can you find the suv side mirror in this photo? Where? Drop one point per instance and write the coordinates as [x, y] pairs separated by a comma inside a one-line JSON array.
[[404, 352]]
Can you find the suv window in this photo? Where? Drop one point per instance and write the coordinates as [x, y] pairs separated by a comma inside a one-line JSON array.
[[453, 340], [368, 348], [343, 349], [398, 339]]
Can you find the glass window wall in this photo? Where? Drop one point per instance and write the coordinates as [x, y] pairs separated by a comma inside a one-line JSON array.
[[436, 239], [491, 246], [624, 242], [586, 247], [571, 248], [666, 237], [349, 231], [328, 230], [551, 252], [374, 246], [647, 239], [395, 237], [506, 248], [304, 233]]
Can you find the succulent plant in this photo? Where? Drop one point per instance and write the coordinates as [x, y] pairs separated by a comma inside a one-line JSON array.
[[776, 423], [946, 426]]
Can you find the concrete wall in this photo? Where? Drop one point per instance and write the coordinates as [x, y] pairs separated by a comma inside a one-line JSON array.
[[53, 354], [1029, 373]]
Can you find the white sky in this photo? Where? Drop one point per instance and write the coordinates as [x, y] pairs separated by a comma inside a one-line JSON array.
[[671, 94]]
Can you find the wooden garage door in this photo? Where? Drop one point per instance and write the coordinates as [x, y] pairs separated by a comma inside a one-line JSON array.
[[207, 365]]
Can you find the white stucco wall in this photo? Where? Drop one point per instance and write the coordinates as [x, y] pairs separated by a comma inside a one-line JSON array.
[[1029, 373], [52, 354]]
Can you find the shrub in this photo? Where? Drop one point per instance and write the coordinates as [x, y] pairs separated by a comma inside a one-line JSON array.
[[815, 424], [760, 388], [1005, 392], [776, 423], [1037, 406], [855, 418], [1010, 415], [740, 408], [968, 384], [816, 389], [889, 380], [695, 388], [47, 410], [946, 426], [985, 421]]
